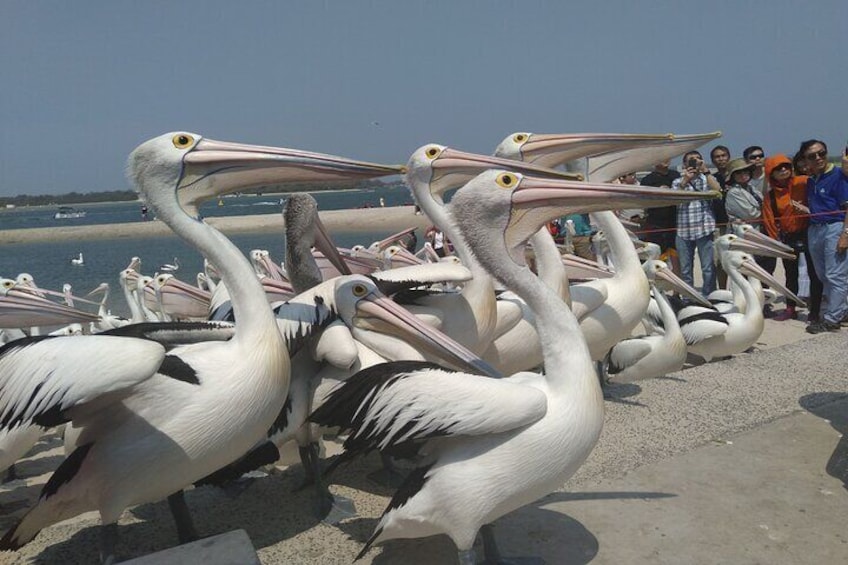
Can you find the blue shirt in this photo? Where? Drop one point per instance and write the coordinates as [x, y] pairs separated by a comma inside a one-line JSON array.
[[827, 192], [582, 225], [694, 219]]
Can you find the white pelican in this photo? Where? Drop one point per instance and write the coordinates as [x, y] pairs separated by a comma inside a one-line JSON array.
[[78, 261], [487, 446], [170, 418], [743, 328], [644, 357]]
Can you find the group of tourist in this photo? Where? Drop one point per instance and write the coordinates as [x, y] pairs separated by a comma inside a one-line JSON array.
[[799, 201]]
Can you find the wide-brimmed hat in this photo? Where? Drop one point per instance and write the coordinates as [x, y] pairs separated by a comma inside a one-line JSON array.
[[738, 165]]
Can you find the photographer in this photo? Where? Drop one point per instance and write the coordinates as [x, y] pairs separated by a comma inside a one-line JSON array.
[[696, 221], [785, 215]]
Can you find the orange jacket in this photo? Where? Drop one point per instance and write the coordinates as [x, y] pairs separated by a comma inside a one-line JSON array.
[[790, 219]]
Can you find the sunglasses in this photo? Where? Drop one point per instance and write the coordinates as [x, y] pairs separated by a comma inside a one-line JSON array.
[[816, 155], [783, 167], [755, 156]]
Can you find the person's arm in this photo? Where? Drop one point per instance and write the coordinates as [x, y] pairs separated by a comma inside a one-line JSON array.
[[740, 205], [712, 183]]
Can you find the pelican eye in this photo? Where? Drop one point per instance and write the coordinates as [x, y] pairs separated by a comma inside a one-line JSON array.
[[182, 140], [360, 290], [506, 180], [8, 284], [432, 152], [520, 137]]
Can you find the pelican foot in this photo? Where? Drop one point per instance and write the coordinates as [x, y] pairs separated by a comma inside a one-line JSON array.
[[333, 509], [186, 531]]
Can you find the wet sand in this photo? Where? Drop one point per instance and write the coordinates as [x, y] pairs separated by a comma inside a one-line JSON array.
[[359, 220]]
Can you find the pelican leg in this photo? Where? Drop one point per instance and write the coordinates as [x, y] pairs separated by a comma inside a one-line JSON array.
[[182, 518], [329, 508], [108, 541], [492, 556]]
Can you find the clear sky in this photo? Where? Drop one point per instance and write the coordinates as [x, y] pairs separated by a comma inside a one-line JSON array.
[[83, 83]]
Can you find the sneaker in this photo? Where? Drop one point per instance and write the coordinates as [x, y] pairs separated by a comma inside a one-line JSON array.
[[821, 327]]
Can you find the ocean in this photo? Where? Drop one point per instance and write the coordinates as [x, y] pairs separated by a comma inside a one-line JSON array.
[[50, 263]]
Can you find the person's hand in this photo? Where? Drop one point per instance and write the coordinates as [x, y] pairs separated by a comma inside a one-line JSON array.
[[842, 243], [688, 174], [800, 207]]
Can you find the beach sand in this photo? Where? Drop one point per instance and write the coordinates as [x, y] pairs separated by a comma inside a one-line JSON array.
[[390, 220]]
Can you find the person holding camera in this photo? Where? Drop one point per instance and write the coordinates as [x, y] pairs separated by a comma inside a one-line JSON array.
[[827, 234], [785, 214], [696, 221]]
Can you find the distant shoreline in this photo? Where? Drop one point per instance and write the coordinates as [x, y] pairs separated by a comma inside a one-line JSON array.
[[359, 220]]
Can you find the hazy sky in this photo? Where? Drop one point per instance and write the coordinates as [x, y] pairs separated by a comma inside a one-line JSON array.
[[83, 83]]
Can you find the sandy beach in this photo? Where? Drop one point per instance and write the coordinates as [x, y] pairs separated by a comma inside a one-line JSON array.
[[389, 219]]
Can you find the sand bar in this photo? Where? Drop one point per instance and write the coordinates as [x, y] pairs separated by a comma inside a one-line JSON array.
[[359, 220]]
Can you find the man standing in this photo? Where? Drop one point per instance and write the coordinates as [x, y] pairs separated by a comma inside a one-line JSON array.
[[827, 234], [720, 156], [696, 222], [661, 223], [755, 156]]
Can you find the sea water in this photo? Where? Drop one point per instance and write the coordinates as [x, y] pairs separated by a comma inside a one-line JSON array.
[[50, 262]]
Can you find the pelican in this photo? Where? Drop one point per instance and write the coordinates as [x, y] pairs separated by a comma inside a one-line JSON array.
[[78, 261], [648, 356], [151, 422], [743, 328], [486, 446]]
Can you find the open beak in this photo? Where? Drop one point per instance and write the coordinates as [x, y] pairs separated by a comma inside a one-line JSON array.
[[212, 168], [453, 168], [681, 287], [536, 201], [378, 313], [750, 267]]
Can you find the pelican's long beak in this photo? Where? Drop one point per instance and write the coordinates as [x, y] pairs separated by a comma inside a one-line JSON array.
[[681, 287], [375, 312], [767, 243], [324, 244], [750, 267], [454, 168], [22, 310], [536, 201], [580, 268], [554, 149], [756, 247], [38, 291], [226, 167]]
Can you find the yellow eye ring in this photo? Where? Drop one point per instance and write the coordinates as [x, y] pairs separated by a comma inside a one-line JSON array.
[[359, 290], [506, 180], [432, 152], [520, 137], [182, 140]]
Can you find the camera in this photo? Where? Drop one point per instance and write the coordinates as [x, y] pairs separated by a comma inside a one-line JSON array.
[[692, 163]]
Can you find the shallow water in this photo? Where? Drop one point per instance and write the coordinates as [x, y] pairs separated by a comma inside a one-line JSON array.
[[50, 263]]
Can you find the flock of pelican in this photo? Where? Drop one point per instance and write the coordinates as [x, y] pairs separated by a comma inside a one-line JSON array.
[[484, 374]]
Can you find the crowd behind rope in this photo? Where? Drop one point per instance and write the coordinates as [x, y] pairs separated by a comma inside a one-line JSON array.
[[800, 201]]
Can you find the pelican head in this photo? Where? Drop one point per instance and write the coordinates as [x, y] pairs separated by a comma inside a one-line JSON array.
[[733, 242], [443, 168], [520, 205], [746, 265], [201, 168], [361, 304], [659, 272], [305, 228]]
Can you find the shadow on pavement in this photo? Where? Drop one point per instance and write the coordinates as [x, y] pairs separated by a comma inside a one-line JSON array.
[[833, 407]]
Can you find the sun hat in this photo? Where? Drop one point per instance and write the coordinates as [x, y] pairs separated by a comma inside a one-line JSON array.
[[737, 165]]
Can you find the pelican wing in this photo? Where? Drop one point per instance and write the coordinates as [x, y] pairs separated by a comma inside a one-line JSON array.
[[303, 316], [393, 405], [698, 323], [627, 353], [41, 378], [172, 334], [336, 346], [586, 298]]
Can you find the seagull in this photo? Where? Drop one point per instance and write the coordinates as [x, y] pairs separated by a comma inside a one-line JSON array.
[[169, 267]]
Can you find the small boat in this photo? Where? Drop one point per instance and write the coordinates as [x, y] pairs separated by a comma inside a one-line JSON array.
[[68, 213]]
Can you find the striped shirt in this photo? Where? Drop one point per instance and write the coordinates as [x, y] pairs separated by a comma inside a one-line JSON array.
[[694, 219]]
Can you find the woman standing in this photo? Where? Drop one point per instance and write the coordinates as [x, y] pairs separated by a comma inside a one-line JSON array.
[[785, 215]]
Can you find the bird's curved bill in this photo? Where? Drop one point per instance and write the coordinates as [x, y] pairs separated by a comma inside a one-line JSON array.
[[553, 149], [536, 201], [213, 168], [680, 286], [579, 268], [750, 267], [23, 311], [453, 168], [379, 313]]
